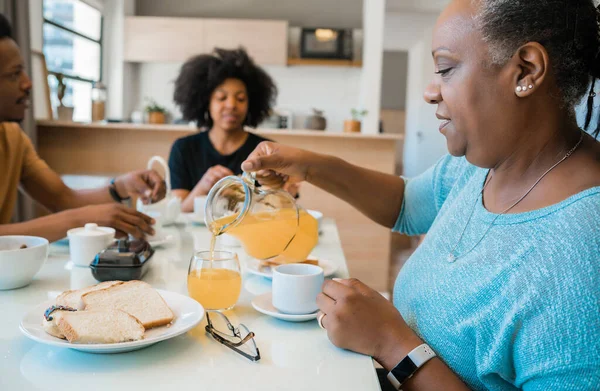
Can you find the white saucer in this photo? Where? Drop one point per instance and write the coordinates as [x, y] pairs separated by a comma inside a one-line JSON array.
[[62, 242], [188, 313], [161, 241], [253, 266], [193, 218], [263, 304]]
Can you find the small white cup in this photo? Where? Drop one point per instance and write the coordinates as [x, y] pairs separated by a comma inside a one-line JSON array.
[[86, 242], [199, 205], [159, 233], [296, 287], [318, 216], [227, 240]]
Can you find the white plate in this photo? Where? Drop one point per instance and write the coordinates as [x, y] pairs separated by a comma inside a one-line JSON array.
[[253, 266], [263, 304], [157, 242], [194, 218], [188, 313]]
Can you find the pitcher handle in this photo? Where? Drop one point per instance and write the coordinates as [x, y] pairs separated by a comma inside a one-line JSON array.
[[249, 177], [165, 166]]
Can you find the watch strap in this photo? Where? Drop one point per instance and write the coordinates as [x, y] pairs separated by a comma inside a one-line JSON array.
[[410, 364], [112, 189]]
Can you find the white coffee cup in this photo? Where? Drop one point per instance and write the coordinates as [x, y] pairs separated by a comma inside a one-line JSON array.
[[296, 287], [86, 242], [199, 205]]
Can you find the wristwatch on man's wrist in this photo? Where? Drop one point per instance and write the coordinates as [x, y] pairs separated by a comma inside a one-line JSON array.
[[112, 189], [410, 364]]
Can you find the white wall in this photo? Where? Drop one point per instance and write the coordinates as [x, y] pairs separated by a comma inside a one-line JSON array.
[[307, 13], [35, 24], [416, 5], [370, 87], [119, 77], [404, 29], [424, 145], [412, 32], [332, 89]]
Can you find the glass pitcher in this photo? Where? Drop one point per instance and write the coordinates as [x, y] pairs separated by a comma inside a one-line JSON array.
[[268, 223]]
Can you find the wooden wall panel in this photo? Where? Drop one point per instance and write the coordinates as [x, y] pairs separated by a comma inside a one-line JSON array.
[[155, 39], [265, 40]]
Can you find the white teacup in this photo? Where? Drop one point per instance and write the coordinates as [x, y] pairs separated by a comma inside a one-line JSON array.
[[86, 242], [159, 233], [295, 288], [199, 205]]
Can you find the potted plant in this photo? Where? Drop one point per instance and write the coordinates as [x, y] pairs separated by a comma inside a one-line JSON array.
[[64, 113], [156, 113], [353, 125]]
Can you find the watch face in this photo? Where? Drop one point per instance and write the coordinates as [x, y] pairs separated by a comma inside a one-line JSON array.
[[404, 370]]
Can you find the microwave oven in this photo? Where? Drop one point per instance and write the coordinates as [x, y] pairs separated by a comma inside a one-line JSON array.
[[326, 43]]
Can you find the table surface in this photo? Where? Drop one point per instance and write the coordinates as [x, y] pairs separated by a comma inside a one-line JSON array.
[[294, 356]]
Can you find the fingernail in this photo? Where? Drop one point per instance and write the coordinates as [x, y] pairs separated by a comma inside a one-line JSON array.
[[249, 165], [337, 279]]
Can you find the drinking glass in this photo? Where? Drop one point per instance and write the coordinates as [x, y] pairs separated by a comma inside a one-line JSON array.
[[215, 281]]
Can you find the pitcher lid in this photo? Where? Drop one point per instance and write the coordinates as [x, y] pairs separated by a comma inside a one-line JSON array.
[[91, 229]]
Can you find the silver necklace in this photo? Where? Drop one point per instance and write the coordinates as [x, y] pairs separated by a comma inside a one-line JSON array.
[[452, 257]]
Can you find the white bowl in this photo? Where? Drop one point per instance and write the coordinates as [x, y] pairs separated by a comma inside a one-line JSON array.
[[19, 266]]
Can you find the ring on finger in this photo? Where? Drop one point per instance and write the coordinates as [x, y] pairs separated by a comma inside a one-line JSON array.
[[320, 320]]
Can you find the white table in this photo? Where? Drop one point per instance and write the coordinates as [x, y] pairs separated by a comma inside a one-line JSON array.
[[295, 356]]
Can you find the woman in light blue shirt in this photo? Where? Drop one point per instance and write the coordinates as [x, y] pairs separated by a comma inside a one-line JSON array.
[[505, 289]]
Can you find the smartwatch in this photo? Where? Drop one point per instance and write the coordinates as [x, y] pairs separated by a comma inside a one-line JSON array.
[[112, 189], [410, 364]]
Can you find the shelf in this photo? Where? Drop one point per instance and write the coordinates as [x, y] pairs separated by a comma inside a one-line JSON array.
[[324, 62]]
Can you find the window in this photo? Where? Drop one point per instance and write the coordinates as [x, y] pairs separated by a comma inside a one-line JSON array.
[[73, 47]]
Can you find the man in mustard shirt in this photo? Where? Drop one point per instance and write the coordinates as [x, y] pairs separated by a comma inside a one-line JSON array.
[[20, 165]]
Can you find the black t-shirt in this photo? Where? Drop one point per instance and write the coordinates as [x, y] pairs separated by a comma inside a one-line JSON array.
[[193, 155]]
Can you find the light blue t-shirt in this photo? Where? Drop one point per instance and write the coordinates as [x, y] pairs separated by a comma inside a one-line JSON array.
[[521, 310]]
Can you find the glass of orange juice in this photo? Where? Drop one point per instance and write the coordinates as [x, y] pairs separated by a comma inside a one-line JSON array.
[[215, 281]]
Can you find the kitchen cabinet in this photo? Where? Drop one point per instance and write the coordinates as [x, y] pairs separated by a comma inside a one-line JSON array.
[[165, 39]]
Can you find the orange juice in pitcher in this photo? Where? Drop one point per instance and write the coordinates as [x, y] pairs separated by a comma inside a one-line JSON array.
[[268, 223]]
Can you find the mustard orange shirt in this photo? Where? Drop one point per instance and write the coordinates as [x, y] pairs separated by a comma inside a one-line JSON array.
[[19, 162]]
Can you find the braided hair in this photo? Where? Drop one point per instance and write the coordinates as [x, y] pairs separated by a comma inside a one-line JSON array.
[[568, 29]]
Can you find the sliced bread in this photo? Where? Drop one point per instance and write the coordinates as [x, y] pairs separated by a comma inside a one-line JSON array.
[[73, 298], [110, 326], [137, 298]]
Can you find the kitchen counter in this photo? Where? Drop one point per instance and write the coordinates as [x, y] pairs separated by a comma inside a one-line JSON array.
[[111, 149], [269, 133]]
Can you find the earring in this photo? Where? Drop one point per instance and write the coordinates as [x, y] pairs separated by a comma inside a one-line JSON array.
[[206, 116], [519, 89]]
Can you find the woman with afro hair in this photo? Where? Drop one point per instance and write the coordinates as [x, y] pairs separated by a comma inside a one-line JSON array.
[[222, 92]]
